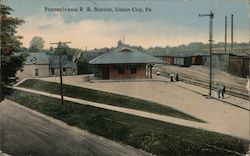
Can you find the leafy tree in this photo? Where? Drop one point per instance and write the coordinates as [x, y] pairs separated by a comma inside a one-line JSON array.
[[36, 44], [51, 49], [10, 43]]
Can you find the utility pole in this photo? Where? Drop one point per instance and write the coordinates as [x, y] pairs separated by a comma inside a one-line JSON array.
[[232, 32], [59, 45], [225, 34], [211, 15], [1, 82]]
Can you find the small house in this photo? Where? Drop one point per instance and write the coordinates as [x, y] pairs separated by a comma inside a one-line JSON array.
[[35, 65]]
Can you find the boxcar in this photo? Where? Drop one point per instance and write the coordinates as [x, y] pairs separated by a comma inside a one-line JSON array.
[[168, 59], [183, 61], [196, 60]]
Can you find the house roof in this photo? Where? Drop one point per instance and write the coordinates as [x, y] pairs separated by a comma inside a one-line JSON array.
[[123, 54], [87, 56], [37, 58], [66, 63]]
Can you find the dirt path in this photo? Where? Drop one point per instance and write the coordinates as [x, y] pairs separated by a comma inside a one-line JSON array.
[[27, 132]]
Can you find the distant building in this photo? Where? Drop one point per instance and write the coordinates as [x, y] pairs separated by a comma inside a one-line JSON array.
[[68, 67], [39, 64], [123, 62], [36, 65]]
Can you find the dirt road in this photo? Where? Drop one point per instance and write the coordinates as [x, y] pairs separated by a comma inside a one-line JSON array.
[[26, 132]]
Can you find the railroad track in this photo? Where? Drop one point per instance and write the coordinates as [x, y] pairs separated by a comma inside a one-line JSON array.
[[230, 89]]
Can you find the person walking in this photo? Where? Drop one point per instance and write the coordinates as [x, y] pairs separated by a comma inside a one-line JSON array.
[[177, 77], [223, 92], [172, 77], [218, 89]]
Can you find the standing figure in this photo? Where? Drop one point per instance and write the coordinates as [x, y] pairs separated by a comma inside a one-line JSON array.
[[218, 89], [223, 91], [172, 77], [177, 77]]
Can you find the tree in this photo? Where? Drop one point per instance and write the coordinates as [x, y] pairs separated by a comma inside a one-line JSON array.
[[10, 43], [36, 44], [51, 49]]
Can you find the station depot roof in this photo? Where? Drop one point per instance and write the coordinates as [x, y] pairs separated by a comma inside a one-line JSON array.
[[125, 55]]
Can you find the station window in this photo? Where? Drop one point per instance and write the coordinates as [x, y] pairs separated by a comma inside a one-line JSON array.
[[64, 71], [133, 68], [36, 72], [53, 71], [121, 69]]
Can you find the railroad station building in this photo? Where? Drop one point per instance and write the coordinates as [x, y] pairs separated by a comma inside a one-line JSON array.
[[124, 62]]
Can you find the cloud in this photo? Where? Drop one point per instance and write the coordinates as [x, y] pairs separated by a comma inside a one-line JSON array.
[[103, 33]]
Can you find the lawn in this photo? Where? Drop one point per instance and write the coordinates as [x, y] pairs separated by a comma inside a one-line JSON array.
[[106, 98], [150, 135]]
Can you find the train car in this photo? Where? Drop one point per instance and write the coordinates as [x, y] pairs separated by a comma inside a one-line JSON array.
[[205, 60], [168, 59], [183, 61], [196, 60]]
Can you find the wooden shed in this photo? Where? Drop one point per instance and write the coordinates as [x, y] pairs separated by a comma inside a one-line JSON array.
[[239, 65]]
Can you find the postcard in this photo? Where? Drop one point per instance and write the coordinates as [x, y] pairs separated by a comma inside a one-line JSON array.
[[124, 77]]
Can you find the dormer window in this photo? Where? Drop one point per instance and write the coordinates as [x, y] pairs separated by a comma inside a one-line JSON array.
[[33, 60], [125, 50]]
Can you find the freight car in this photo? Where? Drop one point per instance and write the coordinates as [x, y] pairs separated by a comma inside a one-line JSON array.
[[183, 61]]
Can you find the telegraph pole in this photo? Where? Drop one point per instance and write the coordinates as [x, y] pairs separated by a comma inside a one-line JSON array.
[[225, 34], [232, 32], [211, 16], [59, 44]]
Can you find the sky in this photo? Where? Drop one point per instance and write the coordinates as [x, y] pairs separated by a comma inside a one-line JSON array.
[[163, 23]]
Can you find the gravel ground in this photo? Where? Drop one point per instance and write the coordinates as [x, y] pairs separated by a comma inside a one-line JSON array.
[[3, 154], [221, 116], [202, 72], [26, 132]]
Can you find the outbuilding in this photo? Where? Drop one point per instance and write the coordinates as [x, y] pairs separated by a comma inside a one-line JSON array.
[[239, 65], [124, 62], [68, 67]]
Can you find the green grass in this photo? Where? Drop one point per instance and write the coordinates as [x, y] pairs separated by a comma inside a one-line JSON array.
[[106, 98], [150, 135]]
